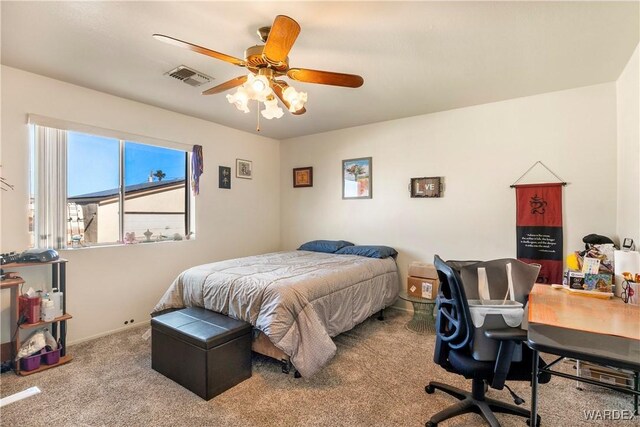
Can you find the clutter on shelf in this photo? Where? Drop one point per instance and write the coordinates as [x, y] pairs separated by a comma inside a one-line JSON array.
[[592, 268]]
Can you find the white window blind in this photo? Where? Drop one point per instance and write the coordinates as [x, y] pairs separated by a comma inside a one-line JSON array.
[[50, 225]]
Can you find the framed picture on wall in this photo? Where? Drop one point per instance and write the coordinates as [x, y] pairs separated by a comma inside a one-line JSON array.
[[224, 177], [426, 187], [244, 169], [303, 177], [357, 178]]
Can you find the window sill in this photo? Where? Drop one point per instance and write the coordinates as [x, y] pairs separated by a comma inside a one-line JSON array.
[[117, 245]]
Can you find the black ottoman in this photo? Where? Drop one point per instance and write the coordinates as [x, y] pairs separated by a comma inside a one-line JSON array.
[[204, 351]]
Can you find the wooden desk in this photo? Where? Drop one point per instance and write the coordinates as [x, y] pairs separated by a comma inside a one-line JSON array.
[[555, 307], [606, 332]]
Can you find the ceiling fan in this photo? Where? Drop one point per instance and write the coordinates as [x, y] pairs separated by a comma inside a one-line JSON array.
[[267, 64]]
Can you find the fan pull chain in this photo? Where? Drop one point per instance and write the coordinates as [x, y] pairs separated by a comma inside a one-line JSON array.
[[258, 110]]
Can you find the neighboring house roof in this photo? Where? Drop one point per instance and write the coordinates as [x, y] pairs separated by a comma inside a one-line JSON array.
[[130, 190]]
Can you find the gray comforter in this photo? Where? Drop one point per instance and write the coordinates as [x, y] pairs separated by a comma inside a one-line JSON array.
[[298, 299]]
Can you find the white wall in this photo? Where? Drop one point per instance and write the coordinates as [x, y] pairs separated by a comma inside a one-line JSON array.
[[628, 114], [479, 151], [107, 286]]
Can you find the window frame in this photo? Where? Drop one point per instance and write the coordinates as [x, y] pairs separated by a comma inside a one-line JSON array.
[[123, 138]]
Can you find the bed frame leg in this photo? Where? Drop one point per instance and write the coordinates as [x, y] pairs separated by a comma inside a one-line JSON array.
[[286, 366], [381, 315]]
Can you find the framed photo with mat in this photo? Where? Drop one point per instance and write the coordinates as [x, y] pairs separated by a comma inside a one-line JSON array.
[[303, 177], [357, 178], [244, 169]]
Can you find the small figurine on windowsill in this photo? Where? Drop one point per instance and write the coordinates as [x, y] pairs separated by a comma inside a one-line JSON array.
[[130, 238], [147, 235]]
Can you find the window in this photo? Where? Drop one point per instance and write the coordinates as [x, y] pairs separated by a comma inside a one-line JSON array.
[[90, 189]]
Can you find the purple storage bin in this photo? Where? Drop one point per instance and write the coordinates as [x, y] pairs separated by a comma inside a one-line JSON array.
[[32, 362], [51, 357]]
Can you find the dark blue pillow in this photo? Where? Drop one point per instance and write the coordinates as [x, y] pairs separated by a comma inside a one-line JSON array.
[[369, 251], [328, 246]]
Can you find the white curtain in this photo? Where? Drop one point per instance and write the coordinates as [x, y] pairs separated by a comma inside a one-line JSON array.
[[50, 187]]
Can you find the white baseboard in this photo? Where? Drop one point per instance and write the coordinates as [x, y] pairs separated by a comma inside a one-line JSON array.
[[148, 322], [400, 309], [113, 331], [405, 308]]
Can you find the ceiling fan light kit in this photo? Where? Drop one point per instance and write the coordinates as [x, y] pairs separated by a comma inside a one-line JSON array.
[[266, 63], [258, 88]]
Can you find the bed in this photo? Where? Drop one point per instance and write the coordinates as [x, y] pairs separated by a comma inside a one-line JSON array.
[[296, 301]]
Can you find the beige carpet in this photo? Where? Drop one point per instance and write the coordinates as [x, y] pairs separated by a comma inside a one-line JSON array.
[[376, 379]]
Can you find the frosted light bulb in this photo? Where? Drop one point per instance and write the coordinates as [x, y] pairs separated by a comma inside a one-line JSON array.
[[258, 87], [295, 99]]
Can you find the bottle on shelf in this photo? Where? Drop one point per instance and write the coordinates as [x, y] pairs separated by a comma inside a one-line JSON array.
[[56, 297], [48, 310]]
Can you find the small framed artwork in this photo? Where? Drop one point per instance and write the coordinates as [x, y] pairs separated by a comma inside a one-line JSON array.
[[303, 177], [357, 179], [244, 169], [426, 187], [224, 177]]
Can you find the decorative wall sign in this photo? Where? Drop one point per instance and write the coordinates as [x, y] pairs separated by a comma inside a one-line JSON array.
[[303, 177], [224, 177], [357, 178], [539, 228], [244, 169], [426, 187]]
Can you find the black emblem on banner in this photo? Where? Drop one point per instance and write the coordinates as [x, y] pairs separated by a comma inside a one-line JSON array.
[[538, 205]]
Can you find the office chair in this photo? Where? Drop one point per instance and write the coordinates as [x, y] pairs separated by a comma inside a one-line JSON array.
[[454, 338]]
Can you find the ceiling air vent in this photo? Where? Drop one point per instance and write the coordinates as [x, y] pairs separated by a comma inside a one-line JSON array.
[[189, 76]]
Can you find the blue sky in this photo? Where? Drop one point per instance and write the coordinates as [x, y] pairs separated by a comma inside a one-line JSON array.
[[93, 163]]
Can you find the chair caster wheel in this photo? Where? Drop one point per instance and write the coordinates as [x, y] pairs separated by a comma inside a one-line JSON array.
[[297, 374], [430, 424], [537, 421], [429, 389]]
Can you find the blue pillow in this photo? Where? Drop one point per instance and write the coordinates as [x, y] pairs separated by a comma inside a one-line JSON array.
[[327, 246], [369, 251]]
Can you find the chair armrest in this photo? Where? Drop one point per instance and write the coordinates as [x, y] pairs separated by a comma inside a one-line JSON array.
[[508, 339], [512, 334]]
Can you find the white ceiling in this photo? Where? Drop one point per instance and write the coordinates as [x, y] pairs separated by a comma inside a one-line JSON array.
[[415, 57]]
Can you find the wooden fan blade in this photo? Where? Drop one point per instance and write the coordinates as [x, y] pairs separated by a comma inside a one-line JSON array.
[[199, 49], [226, 85], [278, 87], [282, 35], [325, 77]]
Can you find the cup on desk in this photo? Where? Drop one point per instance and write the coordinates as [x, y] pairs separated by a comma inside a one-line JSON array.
[[633, 293], [630, 287]]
